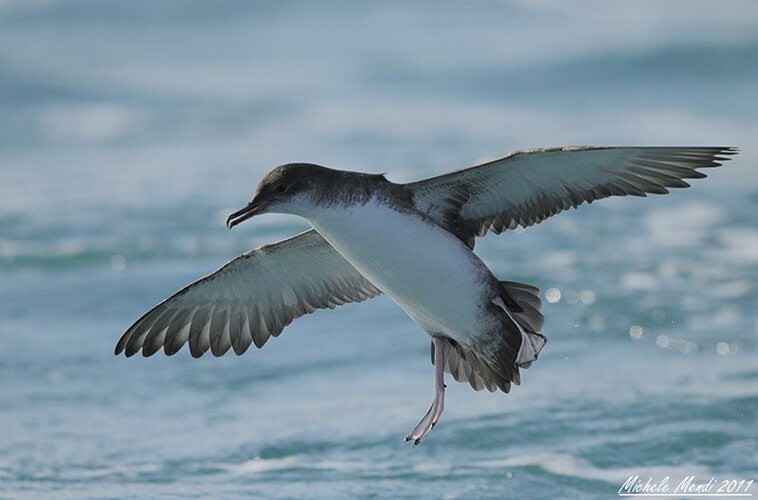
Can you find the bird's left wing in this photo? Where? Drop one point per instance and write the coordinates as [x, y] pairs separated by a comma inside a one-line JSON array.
[[529, 186], [250, 299]]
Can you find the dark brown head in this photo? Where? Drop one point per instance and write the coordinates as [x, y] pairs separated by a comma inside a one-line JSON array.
[[289, 189]]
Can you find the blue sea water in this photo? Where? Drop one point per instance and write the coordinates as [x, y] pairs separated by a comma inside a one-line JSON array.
[[129, 130]]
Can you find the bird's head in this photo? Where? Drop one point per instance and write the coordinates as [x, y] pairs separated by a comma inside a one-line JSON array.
[[287, 189]]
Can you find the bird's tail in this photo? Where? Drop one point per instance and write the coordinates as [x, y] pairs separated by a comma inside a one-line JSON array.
[[523, 305], [492, 362]]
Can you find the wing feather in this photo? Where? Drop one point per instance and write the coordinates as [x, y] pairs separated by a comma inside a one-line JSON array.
[[250, 299], [526, 187]]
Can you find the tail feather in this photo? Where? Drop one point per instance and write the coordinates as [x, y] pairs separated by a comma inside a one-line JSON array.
[[522, 305], [493, 360], [531, 345], [524, 301]]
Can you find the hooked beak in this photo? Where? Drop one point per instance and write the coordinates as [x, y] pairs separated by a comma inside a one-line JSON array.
[[253, 208]]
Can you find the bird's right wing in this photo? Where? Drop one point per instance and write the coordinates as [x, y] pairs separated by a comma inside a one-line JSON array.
[[250, 299]]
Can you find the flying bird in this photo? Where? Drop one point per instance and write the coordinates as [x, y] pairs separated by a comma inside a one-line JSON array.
[[413, 242]]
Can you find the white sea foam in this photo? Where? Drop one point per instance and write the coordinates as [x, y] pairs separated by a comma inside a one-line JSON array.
[[639, 281], [740, 244], [722, 320], [90, 122], [572, 466], [685, 225], [732, 289], [258, 465]]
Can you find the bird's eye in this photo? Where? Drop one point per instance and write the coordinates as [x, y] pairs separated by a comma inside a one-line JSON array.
[[281, 189]]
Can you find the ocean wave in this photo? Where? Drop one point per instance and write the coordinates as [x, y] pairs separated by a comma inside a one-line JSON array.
[[572, 466]]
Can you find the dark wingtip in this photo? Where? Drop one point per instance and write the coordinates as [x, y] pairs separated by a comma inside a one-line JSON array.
[[719, 155], [722, 153], [121, 345], [170, 350]]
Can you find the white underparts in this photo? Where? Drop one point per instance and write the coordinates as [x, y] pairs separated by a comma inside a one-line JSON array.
[[429, 272]]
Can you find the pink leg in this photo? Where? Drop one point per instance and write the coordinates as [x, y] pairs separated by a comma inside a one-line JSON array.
[[435, 411]]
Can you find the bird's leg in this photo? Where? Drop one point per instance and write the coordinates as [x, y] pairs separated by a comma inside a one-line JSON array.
[[433, 415]]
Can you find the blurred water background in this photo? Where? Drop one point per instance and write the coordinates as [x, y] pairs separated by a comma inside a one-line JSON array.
[[129, 130]]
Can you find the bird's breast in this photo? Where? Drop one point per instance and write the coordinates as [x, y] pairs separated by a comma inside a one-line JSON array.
[[428, 271]]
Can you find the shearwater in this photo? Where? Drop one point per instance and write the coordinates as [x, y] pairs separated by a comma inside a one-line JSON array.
[[415, 243]]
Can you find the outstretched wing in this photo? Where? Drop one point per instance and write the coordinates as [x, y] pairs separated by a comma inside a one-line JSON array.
[[528, 186], [250, 299]]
